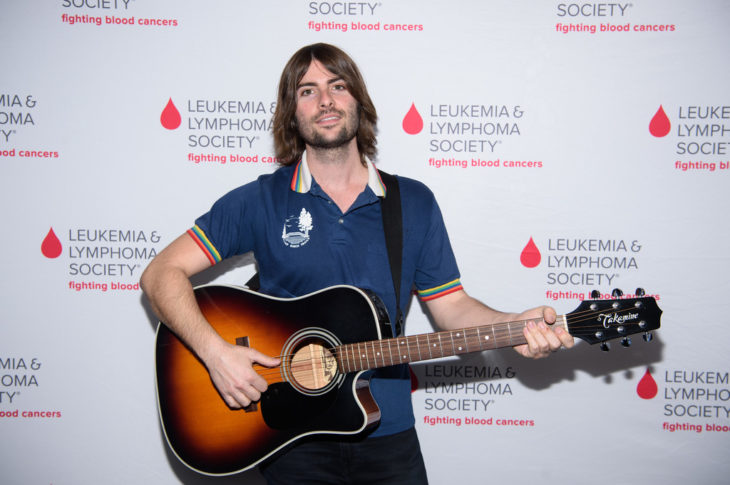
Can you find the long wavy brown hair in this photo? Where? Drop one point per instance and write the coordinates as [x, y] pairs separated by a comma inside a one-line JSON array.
[[288, 144]]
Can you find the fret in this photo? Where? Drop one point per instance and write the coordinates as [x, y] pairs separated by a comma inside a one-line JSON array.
[[408, 348], [482, 341], [341, 359], [346, 359], [428, 343], [457, 348], [470, 336], [441, 346], [362, 354], [455, 336], [418, 346], [390, 351], [453, 347], [375, 354], [338, 359], [401, 355]]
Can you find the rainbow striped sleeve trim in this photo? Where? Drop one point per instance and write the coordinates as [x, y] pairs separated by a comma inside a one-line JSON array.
[[439, 291], [204, 243]]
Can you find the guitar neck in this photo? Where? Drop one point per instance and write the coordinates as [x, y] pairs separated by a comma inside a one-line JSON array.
[[415, 348]]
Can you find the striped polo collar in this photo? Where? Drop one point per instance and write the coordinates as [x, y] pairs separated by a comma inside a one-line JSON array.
[[301, 180]]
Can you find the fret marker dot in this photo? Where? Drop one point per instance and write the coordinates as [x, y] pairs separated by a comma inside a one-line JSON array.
[[459, 348], [486, 337]]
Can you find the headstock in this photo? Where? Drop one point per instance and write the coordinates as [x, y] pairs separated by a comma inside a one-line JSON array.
[[598, 320]]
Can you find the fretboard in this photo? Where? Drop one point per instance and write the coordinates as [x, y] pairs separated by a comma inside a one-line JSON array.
[[414, 348]]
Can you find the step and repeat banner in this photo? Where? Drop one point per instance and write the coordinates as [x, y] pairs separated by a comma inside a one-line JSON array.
[[573, 146]]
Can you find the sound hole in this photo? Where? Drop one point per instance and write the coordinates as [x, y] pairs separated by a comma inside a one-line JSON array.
[[313, 366]]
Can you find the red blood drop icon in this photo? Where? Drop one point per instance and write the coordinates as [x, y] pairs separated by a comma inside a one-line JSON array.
[[170, 117], [660, 124], [647, 388], [51, 246], [412, 122], [530, 256]]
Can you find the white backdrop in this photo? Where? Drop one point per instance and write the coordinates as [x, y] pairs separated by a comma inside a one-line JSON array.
[[594, 134]]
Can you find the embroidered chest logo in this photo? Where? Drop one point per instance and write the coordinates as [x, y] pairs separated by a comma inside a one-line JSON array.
[[296, 229]]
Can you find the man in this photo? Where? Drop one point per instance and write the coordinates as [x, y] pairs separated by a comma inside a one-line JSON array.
[[313, 223]]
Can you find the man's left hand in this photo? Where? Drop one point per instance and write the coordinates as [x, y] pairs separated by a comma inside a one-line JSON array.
[[542, 338]]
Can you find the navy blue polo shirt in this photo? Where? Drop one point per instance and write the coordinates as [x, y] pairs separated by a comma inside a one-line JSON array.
[[303, 242]]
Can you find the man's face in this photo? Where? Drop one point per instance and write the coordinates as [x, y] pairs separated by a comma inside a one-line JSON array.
[[327, 114]]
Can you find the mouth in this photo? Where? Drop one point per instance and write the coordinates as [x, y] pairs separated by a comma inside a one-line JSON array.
[[328, 118]]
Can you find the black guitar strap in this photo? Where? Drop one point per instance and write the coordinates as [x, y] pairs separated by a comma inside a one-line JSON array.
[[390, 207]]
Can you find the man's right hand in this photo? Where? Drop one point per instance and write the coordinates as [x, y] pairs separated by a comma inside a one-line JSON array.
[[231, 370]]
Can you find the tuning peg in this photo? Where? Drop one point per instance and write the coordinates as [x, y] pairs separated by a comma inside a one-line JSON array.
[[595, 294], [626, 342], [605, 347], [616, 293], [648, 337], [640, 292]]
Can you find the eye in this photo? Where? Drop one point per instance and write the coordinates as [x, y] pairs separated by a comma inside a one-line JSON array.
[[305, 92]]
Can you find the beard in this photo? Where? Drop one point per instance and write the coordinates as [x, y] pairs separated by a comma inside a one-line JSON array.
[[317, 139]]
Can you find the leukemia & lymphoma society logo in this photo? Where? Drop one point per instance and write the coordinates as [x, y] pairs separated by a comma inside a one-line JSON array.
[[694, 401], [468, 135], [604, 18], [102, 259], [227, 131], [356, 17], [19, 115], [569, 263], [700, 135]]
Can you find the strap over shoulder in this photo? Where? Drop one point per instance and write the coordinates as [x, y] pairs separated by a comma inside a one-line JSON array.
[[393, 227]]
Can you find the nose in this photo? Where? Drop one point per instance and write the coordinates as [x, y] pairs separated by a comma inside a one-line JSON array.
[[325, 99]]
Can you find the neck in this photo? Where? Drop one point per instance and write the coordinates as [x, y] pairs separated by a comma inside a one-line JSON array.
[[331, 161], [339, 172]]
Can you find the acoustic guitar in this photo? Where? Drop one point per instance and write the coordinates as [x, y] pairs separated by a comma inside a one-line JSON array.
[[327, 341]]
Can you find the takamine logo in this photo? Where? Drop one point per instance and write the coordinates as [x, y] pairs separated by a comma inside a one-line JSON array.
[[615, 319]]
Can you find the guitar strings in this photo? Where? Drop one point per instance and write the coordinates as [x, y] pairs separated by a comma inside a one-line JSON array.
[[587, 315], [303, 364]]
